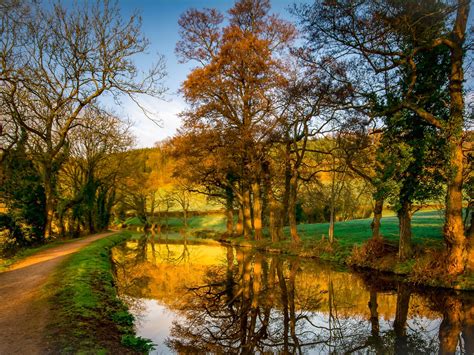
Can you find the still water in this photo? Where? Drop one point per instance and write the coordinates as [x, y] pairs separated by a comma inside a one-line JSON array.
[[191, 298]]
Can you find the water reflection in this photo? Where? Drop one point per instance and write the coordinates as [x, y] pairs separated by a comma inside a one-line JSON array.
[[210, 298]]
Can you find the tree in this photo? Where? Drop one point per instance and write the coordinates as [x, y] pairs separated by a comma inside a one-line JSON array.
[[231, 91], [60, 61], [89, 178], [23, 197], [374, 35]]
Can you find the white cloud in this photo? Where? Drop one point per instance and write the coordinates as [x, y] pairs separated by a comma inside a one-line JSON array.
[[166, 112]]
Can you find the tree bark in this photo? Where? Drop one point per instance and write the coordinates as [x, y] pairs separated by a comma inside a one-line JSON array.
[[404, 218], [375, 225], [453, 229], [247, 214], [230, 220], [257, 210], [49, 202], [332, 207], [286, 191], [292, 208], [239, 228], [273, 207]]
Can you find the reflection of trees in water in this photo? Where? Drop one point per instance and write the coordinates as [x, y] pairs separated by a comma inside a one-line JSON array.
[[248, 306], [455, 331], [253, 302], [133, 261]]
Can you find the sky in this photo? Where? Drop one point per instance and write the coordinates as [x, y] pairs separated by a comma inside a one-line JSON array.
[[160, 26]]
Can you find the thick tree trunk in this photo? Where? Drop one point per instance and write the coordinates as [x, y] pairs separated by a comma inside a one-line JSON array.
[[49, 203], [247, 214], [257, 210], [404, 218], [453, 228], [230, 221], [375, 225], [292, 208], [275, 223]]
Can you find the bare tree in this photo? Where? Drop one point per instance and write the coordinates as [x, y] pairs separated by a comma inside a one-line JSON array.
[[60, 61]]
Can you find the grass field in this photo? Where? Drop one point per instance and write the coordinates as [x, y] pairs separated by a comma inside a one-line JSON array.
[[426, 227]]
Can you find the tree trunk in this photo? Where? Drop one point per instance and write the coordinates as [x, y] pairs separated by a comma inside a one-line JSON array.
[[49, 203], [247, 214], [239, 228], [404, 218], [286, 191], [273, 206], [229, 211], [292, 208], [275, 222], [453, 228], [332, 206], [375, 225], [257, 210], [185, 217]]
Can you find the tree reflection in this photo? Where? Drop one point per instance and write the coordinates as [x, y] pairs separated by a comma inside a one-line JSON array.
[[244, 307], [247, 302]]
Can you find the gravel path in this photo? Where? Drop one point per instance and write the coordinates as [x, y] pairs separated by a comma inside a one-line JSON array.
[[23, 305]]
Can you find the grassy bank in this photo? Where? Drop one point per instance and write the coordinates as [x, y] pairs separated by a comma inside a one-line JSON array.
[[88, 317], [354, 247]]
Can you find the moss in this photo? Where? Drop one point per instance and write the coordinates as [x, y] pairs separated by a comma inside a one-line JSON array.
[[88, 317]]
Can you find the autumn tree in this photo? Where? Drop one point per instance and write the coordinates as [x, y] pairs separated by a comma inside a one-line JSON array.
[[239, 68]]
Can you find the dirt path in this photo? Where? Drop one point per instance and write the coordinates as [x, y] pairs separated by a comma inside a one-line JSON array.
[[23, 307]]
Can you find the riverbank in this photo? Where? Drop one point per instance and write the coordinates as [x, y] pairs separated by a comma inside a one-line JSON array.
[[87, 315], [353, 245], [425, 268]]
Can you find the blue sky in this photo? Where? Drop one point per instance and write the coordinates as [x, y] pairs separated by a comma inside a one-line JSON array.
[[160, 26]]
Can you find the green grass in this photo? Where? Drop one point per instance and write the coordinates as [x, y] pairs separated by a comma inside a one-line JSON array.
[[426, 228], [88, 317]]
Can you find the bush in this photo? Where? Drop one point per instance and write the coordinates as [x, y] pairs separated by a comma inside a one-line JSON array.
[[371, 250]]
